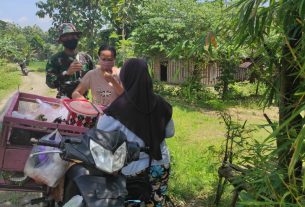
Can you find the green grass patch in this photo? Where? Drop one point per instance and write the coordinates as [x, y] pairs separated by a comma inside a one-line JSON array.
[[10, 79], [197, 152], [194, 162], [37, 66]]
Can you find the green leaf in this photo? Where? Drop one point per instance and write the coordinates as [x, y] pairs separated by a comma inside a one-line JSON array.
[[302, 9], [297, 147]]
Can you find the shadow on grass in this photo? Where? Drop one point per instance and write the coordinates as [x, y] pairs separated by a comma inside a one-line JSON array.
[[211, 105], [250, 102], [203, 200], [37, 66], [39, 70]]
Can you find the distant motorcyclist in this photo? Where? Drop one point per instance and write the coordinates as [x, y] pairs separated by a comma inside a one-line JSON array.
[[24, 69], [65, 68]]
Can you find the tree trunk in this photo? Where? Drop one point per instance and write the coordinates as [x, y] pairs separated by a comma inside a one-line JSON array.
[[289, 83], [225, 90], [257, 87]]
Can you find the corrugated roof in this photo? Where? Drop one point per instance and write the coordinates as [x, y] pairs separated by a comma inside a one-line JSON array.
[[245, 65]]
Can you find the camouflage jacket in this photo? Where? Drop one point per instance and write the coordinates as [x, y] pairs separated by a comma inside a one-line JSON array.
[[59, 63]]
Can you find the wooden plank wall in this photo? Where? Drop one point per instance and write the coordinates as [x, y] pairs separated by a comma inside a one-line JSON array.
[[179, 70], [210, 74], [241, 74]]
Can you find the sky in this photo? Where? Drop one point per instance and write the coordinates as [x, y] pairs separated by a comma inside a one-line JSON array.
[[23, 13]]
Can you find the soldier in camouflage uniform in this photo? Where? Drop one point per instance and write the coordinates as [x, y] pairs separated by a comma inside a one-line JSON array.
[[66, 68]]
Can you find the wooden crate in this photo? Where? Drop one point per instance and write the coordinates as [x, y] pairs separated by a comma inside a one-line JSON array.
[[14, 153]]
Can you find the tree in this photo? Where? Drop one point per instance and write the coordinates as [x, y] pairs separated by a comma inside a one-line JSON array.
[[193, 30], [38, 41], [228, 61], [164, 24], [258, 21], [122, 15], [85, 15], [18, 43], [13, 43]]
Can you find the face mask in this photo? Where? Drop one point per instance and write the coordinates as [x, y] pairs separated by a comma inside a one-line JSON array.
[[107, 65], [70, 44]]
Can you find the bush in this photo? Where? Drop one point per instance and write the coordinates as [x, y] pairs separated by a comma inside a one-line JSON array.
[[244, 94], [190, 92], [3, 62], [246, 89], [215, 104], [38, 66], [166, 89], [193, 90], [9, 79], [266, 182]]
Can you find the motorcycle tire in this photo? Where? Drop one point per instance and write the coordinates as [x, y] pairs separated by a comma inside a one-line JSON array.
[[25, 71]]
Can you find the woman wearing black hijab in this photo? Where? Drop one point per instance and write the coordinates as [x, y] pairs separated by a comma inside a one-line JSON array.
[[145, 118]]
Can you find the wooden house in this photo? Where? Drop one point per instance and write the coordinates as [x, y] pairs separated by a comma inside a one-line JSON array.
[[177, 71]]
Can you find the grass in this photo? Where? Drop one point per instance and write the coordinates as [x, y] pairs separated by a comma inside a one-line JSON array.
[[10, 79], [37, 66], [196, 153], [192, 150]]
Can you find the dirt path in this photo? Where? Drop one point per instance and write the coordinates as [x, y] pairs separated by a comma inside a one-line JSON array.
[[33, 83]]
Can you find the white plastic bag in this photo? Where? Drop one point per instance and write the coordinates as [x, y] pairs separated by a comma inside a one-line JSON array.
[[51, 112], [17, 114], [75, 201], [46, 168]]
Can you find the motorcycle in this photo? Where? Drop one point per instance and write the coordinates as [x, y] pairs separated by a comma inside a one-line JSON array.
[[95, 179], [24, 69]]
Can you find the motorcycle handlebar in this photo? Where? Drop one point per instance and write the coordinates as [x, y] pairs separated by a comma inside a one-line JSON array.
[[69, 140], [44, 143]]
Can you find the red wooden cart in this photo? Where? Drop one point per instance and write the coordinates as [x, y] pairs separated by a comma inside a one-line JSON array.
[[15, 149]]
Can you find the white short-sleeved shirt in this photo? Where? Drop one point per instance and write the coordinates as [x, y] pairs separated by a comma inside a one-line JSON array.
[[108, 123]]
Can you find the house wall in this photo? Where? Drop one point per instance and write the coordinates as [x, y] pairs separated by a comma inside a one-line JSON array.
[[179, 70], [155, 66], [242, 74], [210, 74]]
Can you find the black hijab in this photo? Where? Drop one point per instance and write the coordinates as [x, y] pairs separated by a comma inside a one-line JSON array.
[[139, 109]]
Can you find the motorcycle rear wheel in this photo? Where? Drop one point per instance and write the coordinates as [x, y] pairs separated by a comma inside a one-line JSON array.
[[25, 71]]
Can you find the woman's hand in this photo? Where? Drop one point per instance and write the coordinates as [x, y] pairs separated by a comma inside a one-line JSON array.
[[109, 77]]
